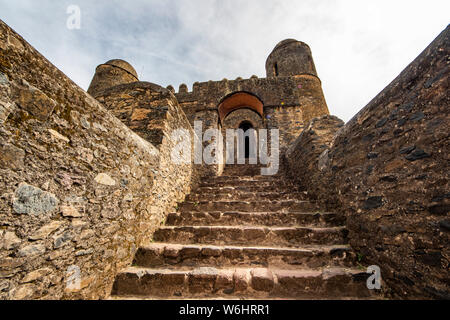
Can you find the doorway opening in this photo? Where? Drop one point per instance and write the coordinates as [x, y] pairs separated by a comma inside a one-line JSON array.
[[245, 126]]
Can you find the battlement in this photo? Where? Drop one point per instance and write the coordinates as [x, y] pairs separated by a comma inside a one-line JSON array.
[[201, 86], [283, 91]]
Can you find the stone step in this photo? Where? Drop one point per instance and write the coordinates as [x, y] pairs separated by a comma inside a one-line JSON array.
[[238, 298], [329, 283], [238, 195], [255, 188], [235, 218], [160, 255], [242, 170], [216, 179], [245, 235], [274, 184], [249, 206]]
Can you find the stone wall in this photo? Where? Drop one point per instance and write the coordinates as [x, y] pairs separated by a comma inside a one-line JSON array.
[[388, 170], [235, 118], [305, 156], [148, 109], [78, 189], [289, 102]]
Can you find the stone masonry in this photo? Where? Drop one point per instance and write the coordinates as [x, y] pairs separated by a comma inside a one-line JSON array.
[[92, 205]]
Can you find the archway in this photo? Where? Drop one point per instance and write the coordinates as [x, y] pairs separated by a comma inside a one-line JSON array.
[[240, 100]]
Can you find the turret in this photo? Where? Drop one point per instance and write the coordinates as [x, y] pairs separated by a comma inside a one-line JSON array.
[[110, 74], [290, 58]]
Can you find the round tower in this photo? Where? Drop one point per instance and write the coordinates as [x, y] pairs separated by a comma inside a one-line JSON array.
[[290, 58], [110, 74]]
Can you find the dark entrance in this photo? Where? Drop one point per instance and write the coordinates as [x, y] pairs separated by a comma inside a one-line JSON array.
[[245, 126]]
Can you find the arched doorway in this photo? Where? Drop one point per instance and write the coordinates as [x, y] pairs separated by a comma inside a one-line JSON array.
[[239, 100], [245, 126]]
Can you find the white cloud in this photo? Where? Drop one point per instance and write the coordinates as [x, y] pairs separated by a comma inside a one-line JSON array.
[[358, 46]]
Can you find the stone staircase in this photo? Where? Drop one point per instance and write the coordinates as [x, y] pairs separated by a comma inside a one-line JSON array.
[[245, 236]]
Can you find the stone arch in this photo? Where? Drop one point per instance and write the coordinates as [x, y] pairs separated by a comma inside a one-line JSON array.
[[243, 118], [236, 117], [239, 100]]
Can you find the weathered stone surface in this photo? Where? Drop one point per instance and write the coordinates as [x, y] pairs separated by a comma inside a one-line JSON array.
[[202, 279], [224, 280], [11, 156], [33, 201], [3, 79], [105, 179], [24, 292], [36, 275], [55, 136], [46, 230], [211, 251], [262, 279], [386, 172], [62, 240], [9, 240], [4, 285], [241, 279], [307, 156], [34, 101], [5, 110], [70, 211], [31, 250]]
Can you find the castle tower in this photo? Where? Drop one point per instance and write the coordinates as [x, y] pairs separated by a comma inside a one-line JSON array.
[[110, 74], [290, 58], [290, 65]]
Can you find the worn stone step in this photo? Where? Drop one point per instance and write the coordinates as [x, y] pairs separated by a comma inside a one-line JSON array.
[[274, 184], [169, 255], [255, 188], [329, 283], [249, 206], [246, 235], [238, 195], [235, 218], [242, 170], [239, 298], [226, 178]]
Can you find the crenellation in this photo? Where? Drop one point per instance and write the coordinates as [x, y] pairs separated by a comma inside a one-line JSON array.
[[171, 89], [183, 88]]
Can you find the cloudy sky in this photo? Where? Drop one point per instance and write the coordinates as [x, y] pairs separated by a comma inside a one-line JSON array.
[[359, 46]]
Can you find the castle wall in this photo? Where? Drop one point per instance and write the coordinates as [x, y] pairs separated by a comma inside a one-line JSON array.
[[305, 156], [145, 108], [78, 189], [289, 102], [387, 172]]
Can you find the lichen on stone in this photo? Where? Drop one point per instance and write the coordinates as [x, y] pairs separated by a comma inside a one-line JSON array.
[[33, 201]]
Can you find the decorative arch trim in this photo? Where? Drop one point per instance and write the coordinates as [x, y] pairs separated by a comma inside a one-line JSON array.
[[240, 100]]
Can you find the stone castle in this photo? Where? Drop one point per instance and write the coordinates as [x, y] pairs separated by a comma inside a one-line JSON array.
[[288, 98], [93, 207]]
